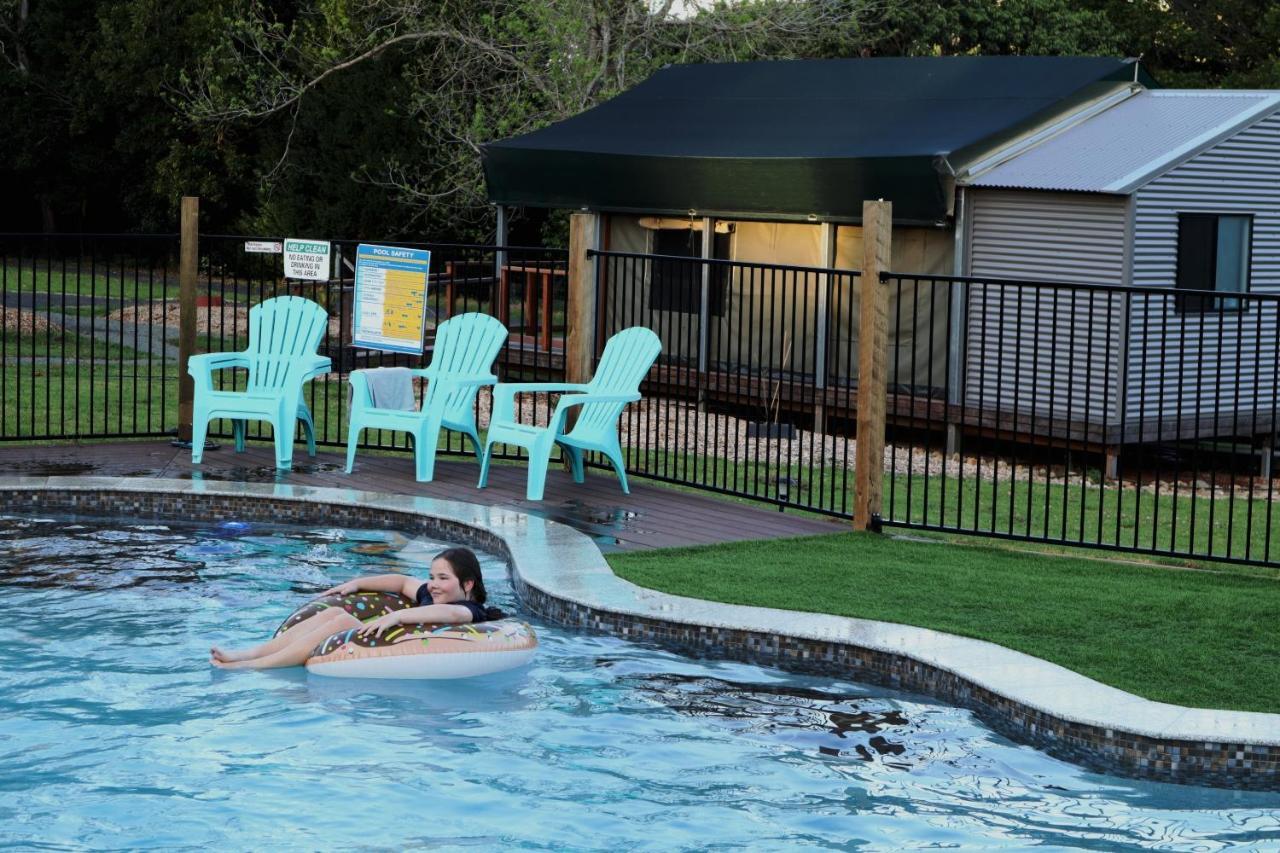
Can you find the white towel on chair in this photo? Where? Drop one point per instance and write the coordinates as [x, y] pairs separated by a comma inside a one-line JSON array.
[[391, 388]]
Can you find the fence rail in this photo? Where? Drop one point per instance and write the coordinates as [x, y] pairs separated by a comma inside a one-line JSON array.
[[78, 358], [524, 287], [1135, 419], [758, 367], [1130, 418]]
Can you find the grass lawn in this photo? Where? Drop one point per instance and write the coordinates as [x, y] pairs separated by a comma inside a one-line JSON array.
[[1198, 638], [57, 344], [61, 400], [104, 280]]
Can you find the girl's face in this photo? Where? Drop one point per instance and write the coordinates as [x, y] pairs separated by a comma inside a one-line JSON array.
[[444, 586]]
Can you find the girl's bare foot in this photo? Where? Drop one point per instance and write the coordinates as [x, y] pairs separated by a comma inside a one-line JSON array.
[[226, 655], [237, 664]]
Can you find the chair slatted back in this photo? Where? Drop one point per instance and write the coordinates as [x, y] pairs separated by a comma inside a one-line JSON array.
[[626, 360], [283, 333], [466, 345]]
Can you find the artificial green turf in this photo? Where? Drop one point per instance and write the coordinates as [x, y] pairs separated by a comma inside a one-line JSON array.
[[1200, 638]]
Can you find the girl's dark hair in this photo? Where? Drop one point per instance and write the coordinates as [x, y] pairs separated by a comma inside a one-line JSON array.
[[466, 566]]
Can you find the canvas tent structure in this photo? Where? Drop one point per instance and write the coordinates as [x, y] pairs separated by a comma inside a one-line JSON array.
[[776, 158]]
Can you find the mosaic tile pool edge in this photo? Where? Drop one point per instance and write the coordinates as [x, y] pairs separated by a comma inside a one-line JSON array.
[[1218, 764]]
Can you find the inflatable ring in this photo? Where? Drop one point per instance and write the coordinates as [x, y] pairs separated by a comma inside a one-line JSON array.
[[362, 605], [426, 651], [413, 650]]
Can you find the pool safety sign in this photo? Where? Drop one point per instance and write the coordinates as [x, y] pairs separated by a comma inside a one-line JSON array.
[[306, 259], [391, 298]]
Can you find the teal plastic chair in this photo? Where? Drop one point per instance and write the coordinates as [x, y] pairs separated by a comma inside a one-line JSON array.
[[627, 358], [461, 363], [284, 333]]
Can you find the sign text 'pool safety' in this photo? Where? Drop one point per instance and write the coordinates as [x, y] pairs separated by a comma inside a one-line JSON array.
[[391, 298]]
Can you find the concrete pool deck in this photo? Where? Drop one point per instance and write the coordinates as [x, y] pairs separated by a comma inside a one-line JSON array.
[[561, 575]]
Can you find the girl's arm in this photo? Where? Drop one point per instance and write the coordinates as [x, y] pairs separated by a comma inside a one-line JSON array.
[[438, 614], [398, 584]]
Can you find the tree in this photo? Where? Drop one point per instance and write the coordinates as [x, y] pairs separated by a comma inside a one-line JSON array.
[[477, 71]]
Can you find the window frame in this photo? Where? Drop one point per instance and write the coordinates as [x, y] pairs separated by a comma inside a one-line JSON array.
[[668, 293], [1202, 300]]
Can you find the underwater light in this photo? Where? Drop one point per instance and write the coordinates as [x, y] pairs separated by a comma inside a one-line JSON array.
[[234, 525]]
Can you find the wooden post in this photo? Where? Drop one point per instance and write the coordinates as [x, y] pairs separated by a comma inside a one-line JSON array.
[[187, 268], [580, 312], [873, 357]]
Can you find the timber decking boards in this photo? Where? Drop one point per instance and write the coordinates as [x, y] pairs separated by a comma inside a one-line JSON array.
[[652, 516]]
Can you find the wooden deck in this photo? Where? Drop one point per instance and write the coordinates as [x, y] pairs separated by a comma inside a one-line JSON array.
[[651, 516]]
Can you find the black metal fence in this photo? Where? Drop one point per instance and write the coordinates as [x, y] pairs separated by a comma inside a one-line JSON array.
[[1138, 419], [86, 347], [753, 394], [524, 287]]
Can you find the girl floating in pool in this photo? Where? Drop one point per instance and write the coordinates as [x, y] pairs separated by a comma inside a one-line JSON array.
[[452, 595]]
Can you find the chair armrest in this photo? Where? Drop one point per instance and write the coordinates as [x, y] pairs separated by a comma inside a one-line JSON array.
[[504, 395], [202, 365], [209, 361], [318, 365], [457, 378], [360, 394], [568, 401]]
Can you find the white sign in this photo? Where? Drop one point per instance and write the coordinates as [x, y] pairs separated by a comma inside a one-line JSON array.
[[264, 247], [306, 259], [391, 298]]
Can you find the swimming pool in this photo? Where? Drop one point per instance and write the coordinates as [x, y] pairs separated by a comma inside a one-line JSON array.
[[115, 732]]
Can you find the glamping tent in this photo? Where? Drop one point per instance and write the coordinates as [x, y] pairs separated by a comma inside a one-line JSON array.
[[776, 158]]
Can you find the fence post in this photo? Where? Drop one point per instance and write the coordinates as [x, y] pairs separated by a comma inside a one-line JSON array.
[[580, 312], [189, 254], [873, 357]]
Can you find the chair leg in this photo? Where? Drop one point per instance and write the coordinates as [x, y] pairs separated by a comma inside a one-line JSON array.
[[615, 456], [239, 427], [575, 461], [353, 438], [308, 429], [425, 441], [475, 439], [539, 461], [284, 442], [199, 429], [484, 465]]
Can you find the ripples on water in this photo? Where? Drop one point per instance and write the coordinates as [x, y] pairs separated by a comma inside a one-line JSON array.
[[115, 733]]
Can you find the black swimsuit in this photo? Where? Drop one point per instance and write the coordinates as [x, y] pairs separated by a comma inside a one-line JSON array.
[[477, 610]]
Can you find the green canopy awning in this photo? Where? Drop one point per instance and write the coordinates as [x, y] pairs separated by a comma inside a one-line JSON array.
[[792, 139]]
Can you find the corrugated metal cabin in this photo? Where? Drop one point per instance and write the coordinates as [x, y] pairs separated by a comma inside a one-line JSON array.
[[1126, 197]]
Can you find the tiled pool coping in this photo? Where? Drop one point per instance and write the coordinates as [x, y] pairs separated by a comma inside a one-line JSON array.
[[561, 575]]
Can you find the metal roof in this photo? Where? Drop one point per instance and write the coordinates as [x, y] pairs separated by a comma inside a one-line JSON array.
[[1131, 143]]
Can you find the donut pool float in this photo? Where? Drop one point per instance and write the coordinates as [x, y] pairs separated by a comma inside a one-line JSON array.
[[413, 650]]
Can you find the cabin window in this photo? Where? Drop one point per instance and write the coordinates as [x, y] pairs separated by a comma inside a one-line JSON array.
[[1213, 255], [677, 285]]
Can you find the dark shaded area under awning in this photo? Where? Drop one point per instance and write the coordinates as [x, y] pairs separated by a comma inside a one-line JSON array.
[[792, 139]]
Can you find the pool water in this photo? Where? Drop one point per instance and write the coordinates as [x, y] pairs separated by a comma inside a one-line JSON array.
[[116, 733]]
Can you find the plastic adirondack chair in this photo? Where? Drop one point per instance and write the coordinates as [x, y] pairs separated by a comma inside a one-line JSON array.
[[461, 361], [627, 358], [284, 333]]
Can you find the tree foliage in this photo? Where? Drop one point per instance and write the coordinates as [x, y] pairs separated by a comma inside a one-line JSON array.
[[364, 118]]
